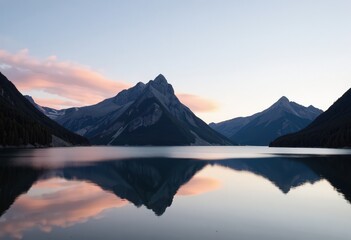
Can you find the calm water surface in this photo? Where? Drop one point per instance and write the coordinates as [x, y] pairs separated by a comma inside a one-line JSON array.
[[175, 193]]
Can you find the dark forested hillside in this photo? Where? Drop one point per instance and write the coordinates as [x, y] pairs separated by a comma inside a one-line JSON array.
[[22, 124], [16, 129], [331, 129]]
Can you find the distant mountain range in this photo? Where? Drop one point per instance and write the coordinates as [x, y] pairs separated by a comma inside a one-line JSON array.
[[260, 129], [146, 114], [151, 114], [331, 129], [21, 124]]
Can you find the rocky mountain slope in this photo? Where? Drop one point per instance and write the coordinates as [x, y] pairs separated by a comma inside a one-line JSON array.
[[281, 118], [146, 114]]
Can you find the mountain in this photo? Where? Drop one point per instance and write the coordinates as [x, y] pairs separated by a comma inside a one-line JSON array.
[[22, 124], [229, 127], [49, 112], [331, 129], [281, 118], [146, 114]]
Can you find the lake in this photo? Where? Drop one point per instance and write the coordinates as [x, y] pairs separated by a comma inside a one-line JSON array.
[[175, 193]]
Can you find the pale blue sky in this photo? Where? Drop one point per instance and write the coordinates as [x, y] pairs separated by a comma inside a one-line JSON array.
[[243, 54]]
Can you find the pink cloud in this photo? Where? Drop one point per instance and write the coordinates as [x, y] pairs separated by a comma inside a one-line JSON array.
[[199, 185], [55, 103], [197, 103], [72, 81], [75, 85], [70, 202], [66, 204]]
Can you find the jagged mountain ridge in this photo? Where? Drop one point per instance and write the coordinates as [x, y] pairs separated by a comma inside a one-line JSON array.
[[261, 128], [146, 114]]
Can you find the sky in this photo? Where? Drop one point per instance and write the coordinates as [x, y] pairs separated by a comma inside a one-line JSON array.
[[224, 58]]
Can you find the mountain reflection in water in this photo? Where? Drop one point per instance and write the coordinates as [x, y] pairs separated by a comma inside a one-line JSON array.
[[32, 197]]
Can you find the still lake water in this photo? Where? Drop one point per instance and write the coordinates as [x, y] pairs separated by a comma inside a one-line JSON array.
[[175, 193]]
